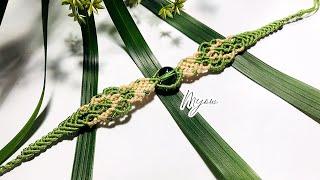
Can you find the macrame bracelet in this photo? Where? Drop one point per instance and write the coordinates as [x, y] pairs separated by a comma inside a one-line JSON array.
[[117, 102]]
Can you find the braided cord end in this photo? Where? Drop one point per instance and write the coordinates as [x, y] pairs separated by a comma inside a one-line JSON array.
[[65, 129]]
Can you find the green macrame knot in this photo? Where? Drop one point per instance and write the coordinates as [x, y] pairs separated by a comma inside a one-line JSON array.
[[218, 60]]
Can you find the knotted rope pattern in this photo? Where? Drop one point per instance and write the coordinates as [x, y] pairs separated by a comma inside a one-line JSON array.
[[116, 102], [216, 55]]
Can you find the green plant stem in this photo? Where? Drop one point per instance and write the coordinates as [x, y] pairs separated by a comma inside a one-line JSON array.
[[84, 155], [34, 121], [3, 6], [221, 159]]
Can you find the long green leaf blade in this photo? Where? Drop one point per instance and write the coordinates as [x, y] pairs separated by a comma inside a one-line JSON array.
[[300, 95], [84, 155], [3, 6], [34, 121], [221, 159]]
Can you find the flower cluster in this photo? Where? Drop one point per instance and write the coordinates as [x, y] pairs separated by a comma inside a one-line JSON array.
[[79, 7], [171, 9]]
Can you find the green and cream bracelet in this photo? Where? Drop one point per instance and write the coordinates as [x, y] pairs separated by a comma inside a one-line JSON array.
[[117, 102]]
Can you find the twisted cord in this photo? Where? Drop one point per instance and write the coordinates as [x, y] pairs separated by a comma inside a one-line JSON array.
[[66, 128], [116, 102], [69, 127]]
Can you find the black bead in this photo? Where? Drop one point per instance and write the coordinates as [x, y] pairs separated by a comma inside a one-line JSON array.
[[171, 80], [164, 70], [163, 86]]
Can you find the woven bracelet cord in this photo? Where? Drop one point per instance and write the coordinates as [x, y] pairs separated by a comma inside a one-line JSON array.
[[117, 102]]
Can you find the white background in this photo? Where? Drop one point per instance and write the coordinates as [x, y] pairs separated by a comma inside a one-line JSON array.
[[274, 138]]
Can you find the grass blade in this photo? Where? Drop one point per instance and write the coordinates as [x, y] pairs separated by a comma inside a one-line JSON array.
[[3, 6], [84, 155], [34, 121], [302, 96], [221, 159]]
